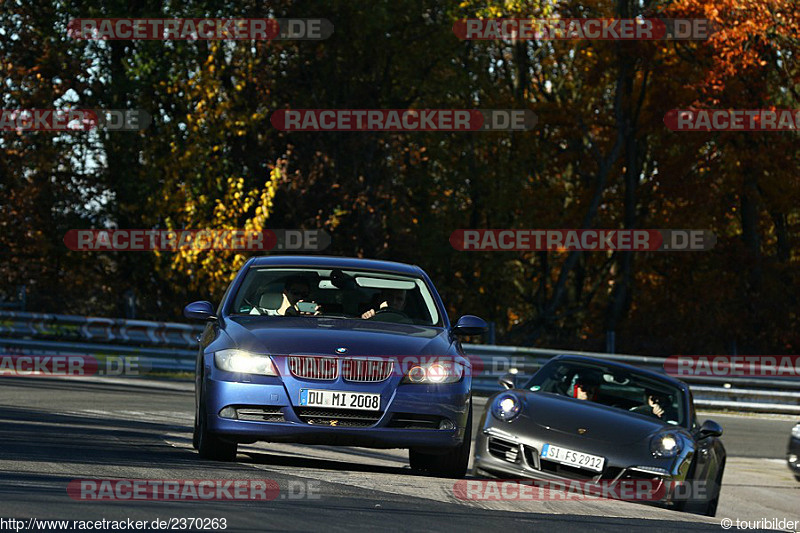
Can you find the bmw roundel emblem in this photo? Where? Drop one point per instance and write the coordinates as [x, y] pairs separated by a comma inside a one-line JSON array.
[[341, 350]]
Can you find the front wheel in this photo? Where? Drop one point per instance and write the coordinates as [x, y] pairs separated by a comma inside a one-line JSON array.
[[711, 506], [452, 464], [708, 506], [209, 445]]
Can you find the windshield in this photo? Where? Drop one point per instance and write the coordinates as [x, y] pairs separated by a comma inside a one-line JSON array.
[[309, 292], [622, 389]]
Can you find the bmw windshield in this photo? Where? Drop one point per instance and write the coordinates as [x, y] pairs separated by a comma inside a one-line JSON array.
[[336, 293]]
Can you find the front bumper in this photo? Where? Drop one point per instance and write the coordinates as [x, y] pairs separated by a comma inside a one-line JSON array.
[[429, 417], [505, 455]]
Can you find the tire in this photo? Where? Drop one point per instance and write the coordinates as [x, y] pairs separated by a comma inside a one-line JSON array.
[[706, 507], [209, 445], [452, 464], [797, 477], [710, 508]]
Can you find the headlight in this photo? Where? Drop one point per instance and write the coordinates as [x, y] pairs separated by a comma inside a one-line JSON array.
[[244, 362], [435, 372], [665, 445], [796, 431], [506, 407]]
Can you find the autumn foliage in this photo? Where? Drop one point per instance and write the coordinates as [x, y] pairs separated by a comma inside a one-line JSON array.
[[600, 157]]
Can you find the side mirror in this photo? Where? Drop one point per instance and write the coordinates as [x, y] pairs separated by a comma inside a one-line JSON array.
[[710, 429], [470, 325], [509, 381], [199, 310]]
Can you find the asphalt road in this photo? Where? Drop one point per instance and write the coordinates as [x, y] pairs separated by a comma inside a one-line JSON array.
[[53, 431]]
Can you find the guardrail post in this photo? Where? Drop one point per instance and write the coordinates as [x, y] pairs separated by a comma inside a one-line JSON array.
[[129, 301], [22, 297], [610, 340]]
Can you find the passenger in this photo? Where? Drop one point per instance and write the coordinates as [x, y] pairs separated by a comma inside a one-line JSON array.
[[296, 289]]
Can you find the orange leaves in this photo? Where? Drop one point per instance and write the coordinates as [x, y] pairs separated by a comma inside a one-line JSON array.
[[750, 34]]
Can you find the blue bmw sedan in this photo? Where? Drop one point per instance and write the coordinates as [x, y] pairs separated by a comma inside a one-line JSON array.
[[334, 351]]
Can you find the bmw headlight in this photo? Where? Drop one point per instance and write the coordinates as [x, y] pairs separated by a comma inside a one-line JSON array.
[[435, 372], [506, 407], [234, 360], [796, 431], [665, 444]]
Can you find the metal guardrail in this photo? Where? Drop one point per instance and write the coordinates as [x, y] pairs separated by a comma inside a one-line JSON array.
[[94, 329], [167, 346]]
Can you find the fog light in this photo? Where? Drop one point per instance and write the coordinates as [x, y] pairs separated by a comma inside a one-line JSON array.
[[229, 412], [447, 424], [792, 458]]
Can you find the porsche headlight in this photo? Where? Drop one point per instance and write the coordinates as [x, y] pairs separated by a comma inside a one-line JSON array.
[[435, 373], [796, 431], [506, 407], [665, 444], [244, 362]]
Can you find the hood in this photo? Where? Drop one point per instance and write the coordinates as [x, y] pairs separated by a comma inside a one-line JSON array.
[[315, 336], [602, 423]]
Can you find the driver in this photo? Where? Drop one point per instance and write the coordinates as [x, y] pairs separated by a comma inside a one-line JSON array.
[[393, 299], [656, 404], [296, 289]]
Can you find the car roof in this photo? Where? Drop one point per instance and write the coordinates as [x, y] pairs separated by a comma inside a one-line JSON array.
[[622, 366], [326, 261]]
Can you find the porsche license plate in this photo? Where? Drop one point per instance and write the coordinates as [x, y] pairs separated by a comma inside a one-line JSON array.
[[340, 399], [572, 457]]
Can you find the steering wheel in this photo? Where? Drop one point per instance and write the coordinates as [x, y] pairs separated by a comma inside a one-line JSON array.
[[389, 315]]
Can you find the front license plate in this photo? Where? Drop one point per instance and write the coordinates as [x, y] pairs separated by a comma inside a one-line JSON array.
[[572, 458], [340, 399]]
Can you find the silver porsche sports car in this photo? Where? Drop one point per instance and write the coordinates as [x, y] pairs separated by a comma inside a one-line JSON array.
[[595, 421]]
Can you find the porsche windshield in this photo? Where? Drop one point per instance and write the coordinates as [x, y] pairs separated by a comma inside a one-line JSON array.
[[614, 387], [366, 295]]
